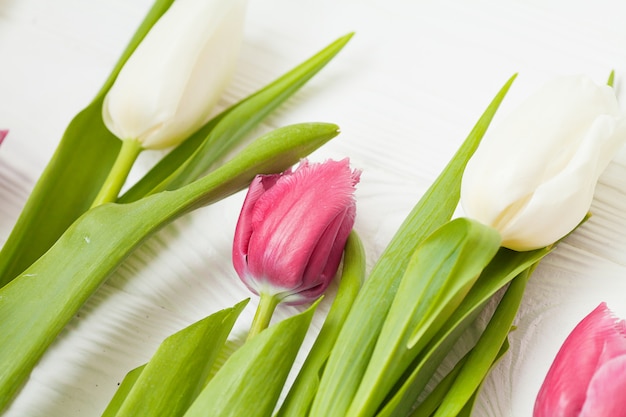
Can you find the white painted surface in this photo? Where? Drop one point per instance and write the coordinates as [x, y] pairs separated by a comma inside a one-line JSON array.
[[405, 91]]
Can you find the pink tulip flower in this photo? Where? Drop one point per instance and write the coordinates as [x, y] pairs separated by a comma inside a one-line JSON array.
[[588, 376], [293, 228]]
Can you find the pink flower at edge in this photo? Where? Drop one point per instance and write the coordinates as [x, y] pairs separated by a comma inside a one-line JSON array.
[[293, 228], [3, 134], [588, 375]]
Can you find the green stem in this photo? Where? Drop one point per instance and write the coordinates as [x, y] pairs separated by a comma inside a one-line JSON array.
[[131, 148], [263, 315]]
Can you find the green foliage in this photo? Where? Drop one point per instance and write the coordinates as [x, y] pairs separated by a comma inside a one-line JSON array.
[[201, 150], [88, 150], [437, 278], [298, 401], [356, 341], [486, 351], [177, 372], [505, 266], [250, 382], [46, 296], [73, 176]]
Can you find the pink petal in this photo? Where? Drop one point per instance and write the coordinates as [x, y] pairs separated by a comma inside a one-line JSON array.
[[606, 395], [323, 263], [290, 218], [3, 134], [334, 257], [598, 338], [243, 230], [293, 227]]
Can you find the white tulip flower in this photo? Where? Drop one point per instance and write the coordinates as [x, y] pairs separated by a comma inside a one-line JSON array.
[[533, 176], [169, 86]]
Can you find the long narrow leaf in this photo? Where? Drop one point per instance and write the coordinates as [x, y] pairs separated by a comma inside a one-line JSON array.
[[72, 178], [122, 391], [196, 155], [298, 401], [505, 266], [250, 382], [36, 306], [439, 275], [486, 350], [356, 340], [434, 398], [432, 401], [177, 372]]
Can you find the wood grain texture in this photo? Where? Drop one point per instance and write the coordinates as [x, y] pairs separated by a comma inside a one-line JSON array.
[[405, 91]]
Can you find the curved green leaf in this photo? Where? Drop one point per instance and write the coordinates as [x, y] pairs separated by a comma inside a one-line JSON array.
[[357, 338], [196, 155], [122, 391], [432, 401], [88, 150], [177, 372], [36, 306], [250, 382], [505, 266], [485, 353], [301, 393], [437, 278], [73, 176]]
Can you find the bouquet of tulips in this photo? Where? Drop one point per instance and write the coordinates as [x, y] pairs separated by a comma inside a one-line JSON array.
[[523, 185], [50, 268]]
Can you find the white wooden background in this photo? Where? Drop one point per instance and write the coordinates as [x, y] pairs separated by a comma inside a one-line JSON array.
[[405, 91]]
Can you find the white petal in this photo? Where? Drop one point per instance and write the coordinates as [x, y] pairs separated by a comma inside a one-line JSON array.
[[169, 85], [545, 156]]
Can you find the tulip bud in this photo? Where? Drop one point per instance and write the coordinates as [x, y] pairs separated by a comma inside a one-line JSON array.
[[588, 375], [533, 176], [292, 230], [169, 85]]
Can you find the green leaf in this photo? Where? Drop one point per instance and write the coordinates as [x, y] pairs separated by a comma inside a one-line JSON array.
[[506, 265], [298, 401], [122, 391], [439, 275], [250, 382], [357, 338], [69, 184], [485, 353], [435, 397], [46, 296], [178, 371], [467, 409], [73, 176], [196, 155]]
